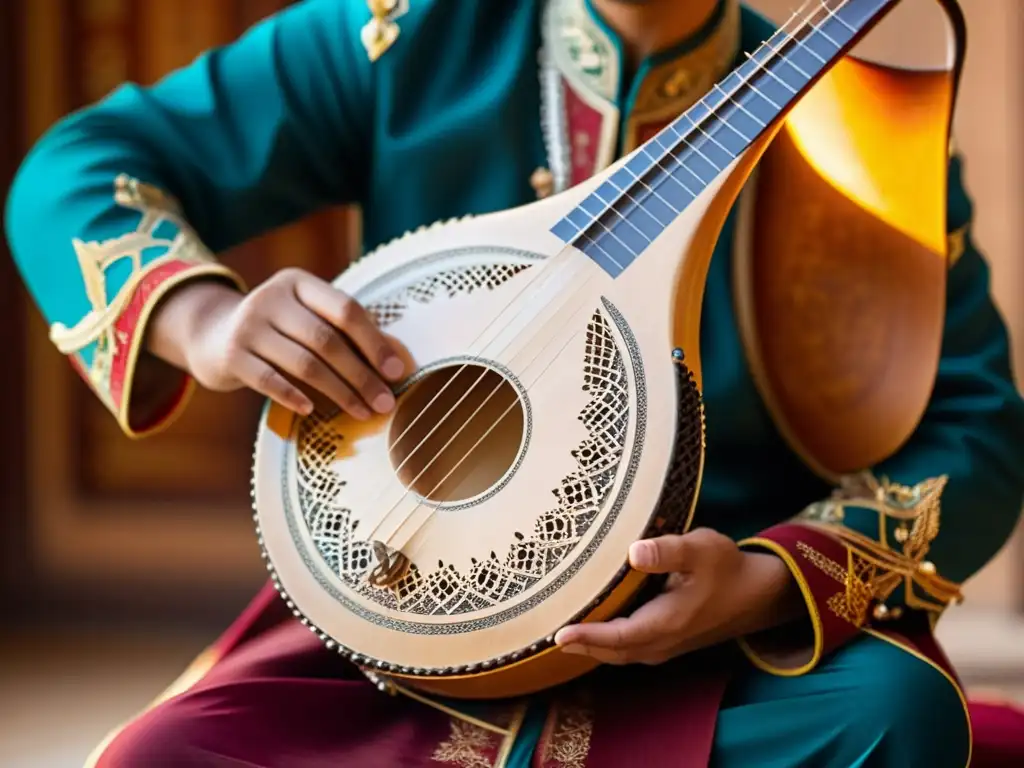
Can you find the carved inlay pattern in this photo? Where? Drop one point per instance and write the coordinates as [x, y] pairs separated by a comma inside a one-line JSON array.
[[682, 482], [444, 590], [448, 283]]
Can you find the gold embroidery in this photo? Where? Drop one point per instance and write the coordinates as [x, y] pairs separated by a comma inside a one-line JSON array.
[[823, 562], [381, 31], [390, 687], [857, 597], [916, 512], [95, 258], [569, 743], [468, 746], [853, 602]]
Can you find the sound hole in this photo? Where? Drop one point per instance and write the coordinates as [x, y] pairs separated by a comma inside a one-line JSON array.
[[456, 432]]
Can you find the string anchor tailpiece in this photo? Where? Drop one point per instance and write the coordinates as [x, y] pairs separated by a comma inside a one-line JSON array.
[[391, 566]]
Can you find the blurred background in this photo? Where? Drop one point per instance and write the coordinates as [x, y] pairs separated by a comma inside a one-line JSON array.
[[120, 560]]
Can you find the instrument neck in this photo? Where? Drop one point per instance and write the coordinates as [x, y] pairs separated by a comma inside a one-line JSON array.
[[664, 175]]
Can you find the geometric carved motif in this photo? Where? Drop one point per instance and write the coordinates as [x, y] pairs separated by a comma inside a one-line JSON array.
[[492, 579], [447, 283]]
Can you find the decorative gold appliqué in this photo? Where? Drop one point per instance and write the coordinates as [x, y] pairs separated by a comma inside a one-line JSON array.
[[875, 569], [853, 602], [381, 31], [570, 742], [467, 746], [95, 258]]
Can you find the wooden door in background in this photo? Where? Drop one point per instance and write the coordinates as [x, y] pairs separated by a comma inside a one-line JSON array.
[[13, 528], [163, 523]]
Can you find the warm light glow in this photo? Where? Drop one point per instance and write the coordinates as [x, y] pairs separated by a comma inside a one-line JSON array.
[[880, 136]]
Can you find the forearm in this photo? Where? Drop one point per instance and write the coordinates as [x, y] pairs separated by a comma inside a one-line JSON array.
[[124, 202]]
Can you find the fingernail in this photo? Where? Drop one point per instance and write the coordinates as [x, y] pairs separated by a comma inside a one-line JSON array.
[[642, 554], [384, 402], [306, 408], [564, 636], [393, 368]]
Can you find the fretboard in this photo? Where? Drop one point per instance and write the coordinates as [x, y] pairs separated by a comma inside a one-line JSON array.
[[616, 223]]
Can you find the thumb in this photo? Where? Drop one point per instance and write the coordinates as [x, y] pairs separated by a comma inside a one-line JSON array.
[[664, 554]]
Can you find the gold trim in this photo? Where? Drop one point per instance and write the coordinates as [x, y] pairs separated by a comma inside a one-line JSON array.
[[136, 347], [467, 746], [959, 691], [513, 734], [453, 713], [812, 609], [572, 730], [381, 31], [853, 602], [917, 513], [155, 208]]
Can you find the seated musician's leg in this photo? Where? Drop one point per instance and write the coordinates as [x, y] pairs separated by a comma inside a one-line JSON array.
[[282, 700], [869, 704]]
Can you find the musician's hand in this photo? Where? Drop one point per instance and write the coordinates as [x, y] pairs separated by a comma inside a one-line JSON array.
[[715, 592], [293, 328]]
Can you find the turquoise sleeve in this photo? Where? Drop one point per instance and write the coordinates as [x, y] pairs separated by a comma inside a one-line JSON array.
[[124, 199]]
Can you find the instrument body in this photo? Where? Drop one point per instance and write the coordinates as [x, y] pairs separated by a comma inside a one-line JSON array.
[[538, 531], [851, 193], [553, 419]]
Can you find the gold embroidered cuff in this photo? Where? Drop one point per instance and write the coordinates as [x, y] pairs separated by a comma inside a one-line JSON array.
[[104, 345], [112, 372], [896, 559], [836, 599]]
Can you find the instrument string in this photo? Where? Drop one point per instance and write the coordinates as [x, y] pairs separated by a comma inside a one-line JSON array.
[[545, 275], [651, 191]]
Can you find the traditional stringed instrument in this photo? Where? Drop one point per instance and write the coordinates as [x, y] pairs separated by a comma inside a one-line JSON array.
[[554, 416]]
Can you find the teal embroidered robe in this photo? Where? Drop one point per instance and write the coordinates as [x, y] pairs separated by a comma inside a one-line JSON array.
[[127, 198]]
